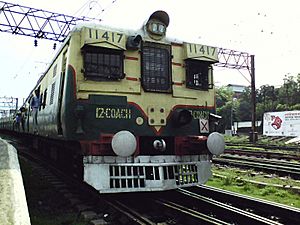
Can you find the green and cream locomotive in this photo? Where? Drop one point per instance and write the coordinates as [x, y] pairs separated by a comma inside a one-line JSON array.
[[135, 108]]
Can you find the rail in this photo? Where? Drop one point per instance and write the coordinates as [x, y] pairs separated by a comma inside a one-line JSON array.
[[285, 214]]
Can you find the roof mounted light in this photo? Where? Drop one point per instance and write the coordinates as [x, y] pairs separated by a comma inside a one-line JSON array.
[[156, 28], [157, 24]]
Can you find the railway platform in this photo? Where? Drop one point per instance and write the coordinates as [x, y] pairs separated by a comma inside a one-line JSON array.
[[13, 204]]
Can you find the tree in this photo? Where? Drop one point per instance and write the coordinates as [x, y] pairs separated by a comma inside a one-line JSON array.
[[226, 106], [244, 109], [266, 97], [223, 95]]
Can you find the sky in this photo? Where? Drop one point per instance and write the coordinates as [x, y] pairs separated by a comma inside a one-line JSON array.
[[268, 29]]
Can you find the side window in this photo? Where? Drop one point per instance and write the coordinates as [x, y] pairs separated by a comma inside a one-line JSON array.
[[103, 64], [45, 98], [197, 74], [52, 93], [55, 70], [41, 102]]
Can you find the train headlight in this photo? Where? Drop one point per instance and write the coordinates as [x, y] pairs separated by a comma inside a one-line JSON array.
[[161, 28], [216, 143], [154, 27], [124, 143], [157, 24], [157, 28], [160, 145]]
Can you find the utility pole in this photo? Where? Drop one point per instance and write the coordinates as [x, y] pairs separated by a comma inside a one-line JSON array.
[[253, 133]]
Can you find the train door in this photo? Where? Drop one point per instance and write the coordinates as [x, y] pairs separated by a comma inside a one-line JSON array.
[[61, 91], [29, 122]]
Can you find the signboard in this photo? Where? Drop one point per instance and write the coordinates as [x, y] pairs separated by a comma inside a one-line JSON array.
[[103, 38], [201, 52], [285, 123], [203, 125]]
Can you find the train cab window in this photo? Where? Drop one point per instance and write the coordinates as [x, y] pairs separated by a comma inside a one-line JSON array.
[[156, 71], [103, 63], [197, 74]]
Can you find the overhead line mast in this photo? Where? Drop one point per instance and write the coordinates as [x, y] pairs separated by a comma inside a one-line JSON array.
[[37, 23]]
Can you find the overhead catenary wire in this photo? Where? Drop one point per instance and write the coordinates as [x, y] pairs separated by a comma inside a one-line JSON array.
[[92, 6]]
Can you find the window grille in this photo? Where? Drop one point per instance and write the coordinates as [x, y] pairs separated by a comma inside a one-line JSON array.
[[52, 93], [156, 72], [103, 64]]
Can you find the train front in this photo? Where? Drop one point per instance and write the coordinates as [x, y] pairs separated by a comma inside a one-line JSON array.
[[144, 108]]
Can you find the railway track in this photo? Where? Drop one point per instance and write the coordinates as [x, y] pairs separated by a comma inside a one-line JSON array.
[[266, 146], [157, 210], [131, 213], [280, 167], [264, 154], [86, 202], [218, 209], [275, 211], [186, 207]]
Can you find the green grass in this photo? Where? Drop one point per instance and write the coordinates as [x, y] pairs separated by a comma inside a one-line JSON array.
[[267, 193], [244, 147], [256, 176], [236, 139], [270, 193]]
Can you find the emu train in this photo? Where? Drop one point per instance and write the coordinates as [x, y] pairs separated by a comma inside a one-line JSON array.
[[133, 110]]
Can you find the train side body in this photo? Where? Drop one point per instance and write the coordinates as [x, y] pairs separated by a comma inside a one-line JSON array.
[[139, 105]]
